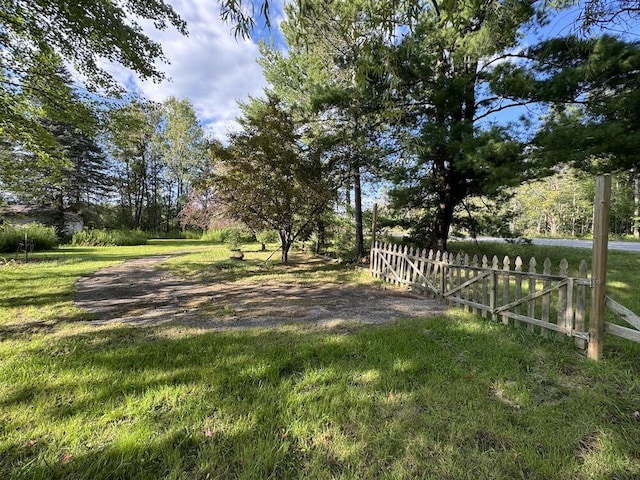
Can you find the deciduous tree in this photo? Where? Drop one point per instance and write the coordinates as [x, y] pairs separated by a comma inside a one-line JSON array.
[[84, 33], [267, 178]]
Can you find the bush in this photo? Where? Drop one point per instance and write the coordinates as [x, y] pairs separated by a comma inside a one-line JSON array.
[[268, 236], [108, 238], [174, 234], [39, 237], [215, 235], [231, 235]]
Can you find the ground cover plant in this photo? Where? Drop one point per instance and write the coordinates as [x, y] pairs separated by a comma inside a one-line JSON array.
[[451, 396], [38, 237], [108, 238]]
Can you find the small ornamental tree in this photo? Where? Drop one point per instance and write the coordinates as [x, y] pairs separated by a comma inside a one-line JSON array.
[[266, 177]]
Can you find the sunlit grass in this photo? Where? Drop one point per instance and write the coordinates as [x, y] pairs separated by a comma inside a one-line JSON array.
[[41, 290], [452, 396], [419, 398], [623, 277], [260, 266]]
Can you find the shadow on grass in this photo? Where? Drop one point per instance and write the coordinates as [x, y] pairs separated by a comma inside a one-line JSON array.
[[299, 268], [414, 399]]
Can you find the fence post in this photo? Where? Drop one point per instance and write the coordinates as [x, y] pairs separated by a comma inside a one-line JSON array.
[[372, 250], [518, 289], [581, 305], [493, 288], [599, 265]]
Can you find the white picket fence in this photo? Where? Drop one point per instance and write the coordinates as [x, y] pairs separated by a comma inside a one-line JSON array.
[[502, 290]]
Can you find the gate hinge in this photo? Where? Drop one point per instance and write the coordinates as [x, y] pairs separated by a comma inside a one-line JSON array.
[[583, 335]]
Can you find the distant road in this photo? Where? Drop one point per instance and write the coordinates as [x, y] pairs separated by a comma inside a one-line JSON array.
[[623, 246]]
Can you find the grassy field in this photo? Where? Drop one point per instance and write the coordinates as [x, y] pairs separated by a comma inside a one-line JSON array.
[[450, 397]]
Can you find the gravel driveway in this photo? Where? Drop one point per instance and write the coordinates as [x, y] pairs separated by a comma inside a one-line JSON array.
[[140, 292]]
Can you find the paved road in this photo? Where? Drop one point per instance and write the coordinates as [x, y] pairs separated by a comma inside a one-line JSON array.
[[623, 246]]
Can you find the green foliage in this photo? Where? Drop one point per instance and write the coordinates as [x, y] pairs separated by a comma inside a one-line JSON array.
[[266, 178], [230, 235], [108, 238], [598, 79], [327, 77], [37, 35], [339, 238], [176, 234], [452, 152], [235, 237], [215, 235], [159, 154], [71, 168], [267, 236], [37, 237]]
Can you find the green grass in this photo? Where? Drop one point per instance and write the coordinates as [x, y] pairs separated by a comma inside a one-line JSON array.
[[214, 265], [623, 274], [39, 294], [450, 397]]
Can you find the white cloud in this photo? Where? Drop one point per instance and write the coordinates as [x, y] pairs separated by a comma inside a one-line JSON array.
[[210, 66]]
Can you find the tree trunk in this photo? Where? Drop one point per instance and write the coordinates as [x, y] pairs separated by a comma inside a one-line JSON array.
[[285, 242], [636, 204], [321, 234], [59, 217], [443, 220]]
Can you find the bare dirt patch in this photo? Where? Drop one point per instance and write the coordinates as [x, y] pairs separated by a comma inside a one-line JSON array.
[[139, 292]]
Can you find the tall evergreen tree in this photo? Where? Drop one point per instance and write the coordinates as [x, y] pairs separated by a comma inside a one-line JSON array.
[[443, 66], [323, 77], [74, 171]]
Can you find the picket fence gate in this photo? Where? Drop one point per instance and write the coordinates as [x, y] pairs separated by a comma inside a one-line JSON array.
[[502, 290]]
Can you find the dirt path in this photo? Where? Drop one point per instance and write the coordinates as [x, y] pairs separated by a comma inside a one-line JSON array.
[[139, 292]]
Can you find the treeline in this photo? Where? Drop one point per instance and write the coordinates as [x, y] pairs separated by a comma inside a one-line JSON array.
[[407, 95], [561, 205], [128, 165], [413, 95]]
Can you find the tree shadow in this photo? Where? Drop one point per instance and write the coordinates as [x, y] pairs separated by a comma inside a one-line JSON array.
[[422, 397]]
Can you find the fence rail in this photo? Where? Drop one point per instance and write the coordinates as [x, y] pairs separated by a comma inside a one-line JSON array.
[[506, 290]]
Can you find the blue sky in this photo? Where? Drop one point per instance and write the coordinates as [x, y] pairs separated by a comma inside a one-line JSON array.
[[210, 67], [214, 70]]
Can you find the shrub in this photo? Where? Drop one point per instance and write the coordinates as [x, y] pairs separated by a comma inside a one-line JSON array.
[[214, 235], [171, 234], [108, 238], [230, 235], [38, 236], [174, 234], [268, 236]]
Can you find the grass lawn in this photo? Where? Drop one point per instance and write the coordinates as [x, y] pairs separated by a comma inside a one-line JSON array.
[[450, 397]]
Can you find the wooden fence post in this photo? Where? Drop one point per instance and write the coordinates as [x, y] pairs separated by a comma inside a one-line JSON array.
[[373, 235], [493, 288], [599, 265]]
